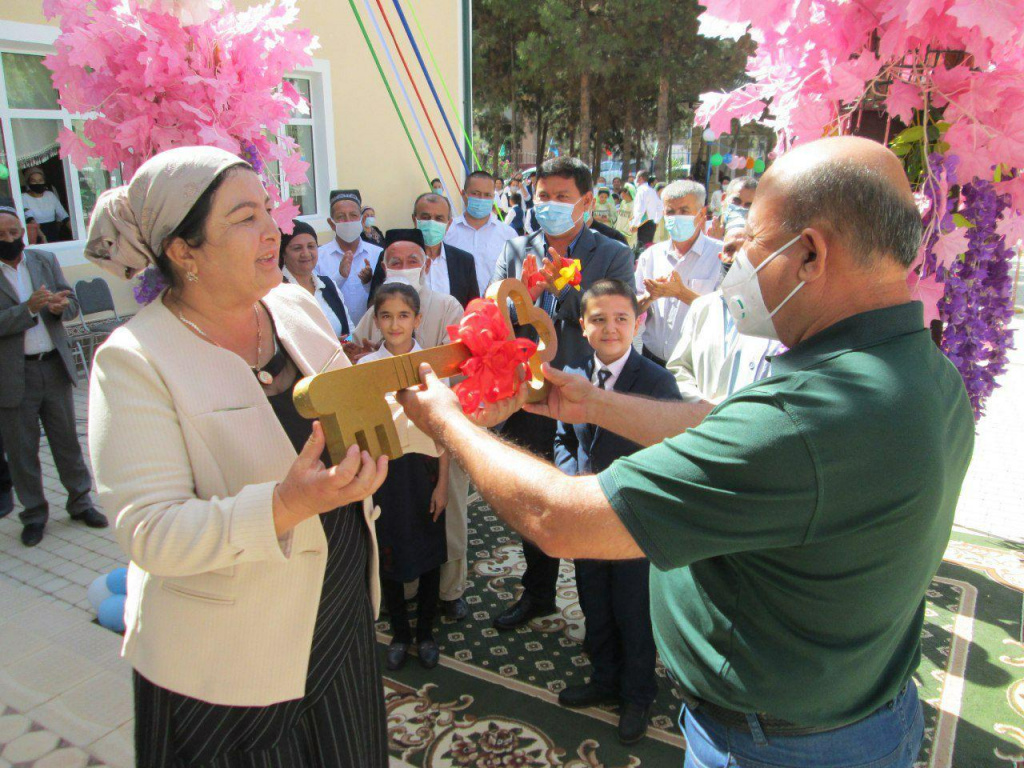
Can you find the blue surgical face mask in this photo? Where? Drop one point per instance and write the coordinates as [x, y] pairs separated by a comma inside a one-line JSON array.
[[479, 208], [433, 231], [680, 228], [734, 215], [586, 217], [555, 218]]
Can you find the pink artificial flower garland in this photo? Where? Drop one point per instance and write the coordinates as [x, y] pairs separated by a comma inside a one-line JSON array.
[[150, 79]]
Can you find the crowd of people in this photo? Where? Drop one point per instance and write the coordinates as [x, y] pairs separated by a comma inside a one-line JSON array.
[[259, 566]]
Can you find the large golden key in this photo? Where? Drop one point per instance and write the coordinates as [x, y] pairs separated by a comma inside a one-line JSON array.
[[351, 404]]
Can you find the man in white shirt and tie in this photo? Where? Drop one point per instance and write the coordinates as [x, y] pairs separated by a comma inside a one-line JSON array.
[[647, 210], [349, 260], [673, 273], [478, 231]]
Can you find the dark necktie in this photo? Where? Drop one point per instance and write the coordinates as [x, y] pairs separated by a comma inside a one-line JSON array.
[[602, 377]]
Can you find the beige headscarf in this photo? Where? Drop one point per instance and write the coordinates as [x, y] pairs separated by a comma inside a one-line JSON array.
[[130, 223]]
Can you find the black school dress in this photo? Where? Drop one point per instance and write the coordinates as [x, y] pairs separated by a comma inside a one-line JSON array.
[[410, 543], [339, 723]]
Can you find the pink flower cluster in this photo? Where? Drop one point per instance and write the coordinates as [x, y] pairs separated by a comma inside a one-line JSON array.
[[818, 59], [149, 77], [952, 65]]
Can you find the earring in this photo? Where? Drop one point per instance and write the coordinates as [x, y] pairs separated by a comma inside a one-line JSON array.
[[192, 277]]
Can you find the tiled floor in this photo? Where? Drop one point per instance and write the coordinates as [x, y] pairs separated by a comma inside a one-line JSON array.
[[65, 695]]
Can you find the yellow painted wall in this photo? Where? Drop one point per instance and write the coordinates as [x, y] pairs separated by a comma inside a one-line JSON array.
[[372, 151]]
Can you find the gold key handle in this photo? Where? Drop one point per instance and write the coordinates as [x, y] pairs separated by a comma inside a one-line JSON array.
[[528, 313], [351, 404]]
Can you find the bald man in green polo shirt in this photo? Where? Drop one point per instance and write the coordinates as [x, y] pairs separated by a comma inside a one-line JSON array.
[[795, 527]]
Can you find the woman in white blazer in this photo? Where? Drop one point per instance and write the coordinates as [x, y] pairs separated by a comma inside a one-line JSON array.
[[253, 582]]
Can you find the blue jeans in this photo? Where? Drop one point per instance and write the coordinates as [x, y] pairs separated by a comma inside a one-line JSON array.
[[888, 738]]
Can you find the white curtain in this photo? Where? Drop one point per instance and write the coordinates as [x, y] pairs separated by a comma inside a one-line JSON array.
[[35, 141]]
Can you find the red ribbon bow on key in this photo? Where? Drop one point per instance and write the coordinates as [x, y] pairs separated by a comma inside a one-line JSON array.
[[492, 371]]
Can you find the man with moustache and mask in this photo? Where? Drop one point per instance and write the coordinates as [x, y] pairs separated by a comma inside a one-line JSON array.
[[36, 376]]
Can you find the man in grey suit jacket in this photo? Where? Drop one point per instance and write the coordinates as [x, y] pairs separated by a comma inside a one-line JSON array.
[[564, 192], [36, 376]]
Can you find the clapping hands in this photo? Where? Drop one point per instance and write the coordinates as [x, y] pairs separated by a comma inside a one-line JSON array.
[[42, 298]]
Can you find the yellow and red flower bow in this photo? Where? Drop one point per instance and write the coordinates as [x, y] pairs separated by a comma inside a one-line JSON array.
[[569, 274]]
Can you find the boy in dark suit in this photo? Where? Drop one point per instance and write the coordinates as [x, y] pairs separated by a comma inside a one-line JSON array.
[[614, 595]]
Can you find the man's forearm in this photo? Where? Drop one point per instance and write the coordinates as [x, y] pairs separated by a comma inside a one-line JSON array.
[[643, 420], [525, 496], [565, 516]]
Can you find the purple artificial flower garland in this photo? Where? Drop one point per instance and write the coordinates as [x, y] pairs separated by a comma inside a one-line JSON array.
[[977, 304], [151, 282]]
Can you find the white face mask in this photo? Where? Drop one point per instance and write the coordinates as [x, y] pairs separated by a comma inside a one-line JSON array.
[[413, 276], [348, 231], [741, 291]]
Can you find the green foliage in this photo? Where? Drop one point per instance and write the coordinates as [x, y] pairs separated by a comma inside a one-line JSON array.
[[531, 56]]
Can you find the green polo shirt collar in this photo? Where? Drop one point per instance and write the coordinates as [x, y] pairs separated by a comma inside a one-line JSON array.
[[855, 332]]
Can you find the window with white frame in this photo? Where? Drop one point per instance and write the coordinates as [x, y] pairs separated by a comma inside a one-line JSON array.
[[31, 119]]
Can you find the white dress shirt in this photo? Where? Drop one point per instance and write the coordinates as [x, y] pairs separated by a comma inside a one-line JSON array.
[[486, 244], [37, 338], [700, 270], [318, 294], [437, 279], [713, 360], [353, 291], [615, 367], [647, 206]]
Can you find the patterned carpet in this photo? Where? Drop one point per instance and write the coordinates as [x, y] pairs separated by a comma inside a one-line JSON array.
[[493, 700]]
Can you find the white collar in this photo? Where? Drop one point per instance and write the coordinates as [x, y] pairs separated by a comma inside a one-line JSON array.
[[442, 256], [615, 366], [318, 281], [338, 249], [382, 351], [697, 248], [461, 219]]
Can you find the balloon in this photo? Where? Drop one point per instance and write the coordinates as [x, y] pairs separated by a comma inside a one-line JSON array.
[[750, 162], [98, 592], [111, 613], [759, 166], [709, 135], [117, 581], [716, 159], [5, 172], [727, 158]]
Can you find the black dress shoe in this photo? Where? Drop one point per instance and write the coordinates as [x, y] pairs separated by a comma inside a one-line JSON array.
[[633, 723], [32, 534], [396, 655], [429, 653], [586, 695], [521, 612], [92, 518], [456, 609]]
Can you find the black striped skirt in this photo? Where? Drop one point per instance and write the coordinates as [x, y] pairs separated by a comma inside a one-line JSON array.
[[339, 723]]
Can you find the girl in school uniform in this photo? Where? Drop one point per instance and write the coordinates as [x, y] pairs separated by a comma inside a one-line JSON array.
[[411, 526]]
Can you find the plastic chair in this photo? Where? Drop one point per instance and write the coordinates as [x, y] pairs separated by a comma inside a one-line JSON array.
[[94, 298]]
